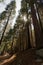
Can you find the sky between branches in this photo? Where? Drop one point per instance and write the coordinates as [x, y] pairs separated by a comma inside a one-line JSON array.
[[5, 3]]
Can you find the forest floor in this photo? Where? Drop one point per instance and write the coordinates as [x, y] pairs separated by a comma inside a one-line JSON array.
[[27, 57]]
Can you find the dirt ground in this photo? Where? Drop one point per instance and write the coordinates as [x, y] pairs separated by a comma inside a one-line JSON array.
[[27, 57]]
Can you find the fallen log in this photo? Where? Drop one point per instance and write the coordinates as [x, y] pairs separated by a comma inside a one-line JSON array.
[[8, 61]]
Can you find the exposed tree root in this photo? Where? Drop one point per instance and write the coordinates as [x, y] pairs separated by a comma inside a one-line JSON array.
[[6, 56], [22, 58], [7, 61]]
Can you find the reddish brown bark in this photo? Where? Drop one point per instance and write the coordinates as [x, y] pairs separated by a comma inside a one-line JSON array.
[[37, 28]]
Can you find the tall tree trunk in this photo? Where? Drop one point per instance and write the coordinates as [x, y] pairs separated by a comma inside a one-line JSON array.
[[5, 28], [39, 17], [37, 28], [27, 26]]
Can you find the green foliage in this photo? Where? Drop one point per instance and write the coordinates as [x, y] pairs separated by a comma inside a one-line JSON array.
[[23, 6], [1, 0], [2, 46], [9, 8], [7, 14], [8, 40], [2, 15]]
